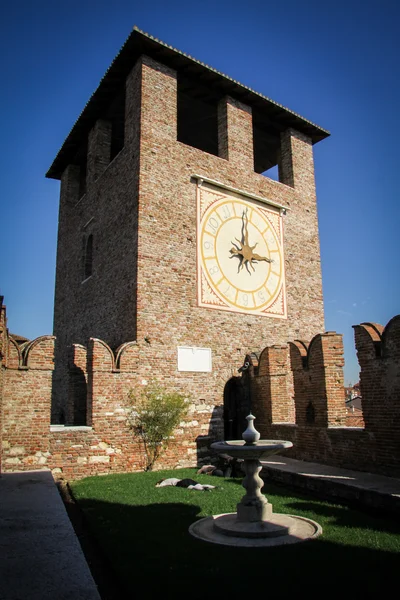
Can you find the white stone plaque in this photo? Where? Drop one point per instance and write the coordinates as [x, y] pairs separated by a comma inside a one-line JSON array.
[[194, 359]]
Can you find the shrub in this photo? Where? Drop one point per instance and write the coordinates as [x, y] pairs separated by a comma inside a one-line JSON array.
[[154, 415]]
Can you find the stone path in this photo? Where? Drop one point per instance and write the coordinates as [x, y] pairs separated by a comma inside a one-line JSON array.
[[368, 489], [40, 556]]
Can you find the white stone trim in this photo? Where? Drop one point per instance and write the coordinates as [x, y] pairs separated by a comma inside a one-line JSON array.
[[201, 178]]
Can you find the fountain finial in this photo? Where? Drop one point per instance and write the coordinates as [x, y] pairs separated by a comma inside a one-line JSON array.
[[250, 435]]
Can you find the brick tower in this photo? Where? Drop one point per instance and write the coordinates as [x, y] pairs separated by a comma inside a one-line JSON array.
[[170, 234]]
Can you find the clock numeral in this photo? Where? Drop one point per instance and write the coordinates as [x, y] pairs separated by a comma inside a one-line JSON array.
[[213, 224], [226, 211], [228, 291], [261, 296], [208, 246], [245, 299], [214, 270]]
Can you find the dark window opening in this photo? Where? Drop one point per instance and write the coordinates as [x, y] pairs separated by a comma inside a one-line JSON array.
[[116, 115], [267, 144], [197, 116], [310, 413], [88, 266], [78, 395]]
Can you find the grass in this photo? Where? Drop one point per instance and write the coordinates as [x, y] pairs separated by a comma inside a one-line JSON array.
[[143, 531]]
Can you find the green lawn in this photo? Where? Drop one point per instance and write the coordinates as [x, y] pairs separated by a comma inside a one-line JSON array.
[[144, 532]]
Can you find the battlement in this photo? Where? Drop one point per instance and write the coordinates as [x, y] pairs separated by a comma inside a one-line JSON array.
[[296, 391], [98, 438], [298, 394], [37, 354]]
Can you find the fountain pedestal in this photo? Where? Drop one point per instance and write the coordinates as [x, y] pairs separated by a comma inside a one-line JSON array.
[[254, 506], [254, 523]]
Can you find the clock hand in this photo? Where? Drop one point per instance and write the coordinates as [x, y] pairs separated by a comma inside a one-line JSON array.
[[246, 228], [258, 257], [245, 252]]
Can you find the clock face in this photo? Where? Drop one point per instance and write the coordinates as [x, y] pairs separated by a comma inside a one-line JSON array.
[[240, 254]]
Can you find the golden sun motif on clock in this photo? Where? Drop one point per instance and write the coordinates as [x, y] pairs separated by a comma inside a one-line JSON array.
[[240, 256]]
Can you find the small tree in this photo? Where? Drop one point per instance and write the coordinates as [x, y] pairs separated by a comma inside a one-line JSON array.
[[155, 414]]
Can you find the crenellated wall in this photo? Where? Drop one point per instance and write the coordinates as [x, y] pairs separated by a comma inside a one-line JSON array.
[[309, 377], [26, 403], [378, 351], [100, 382], [296, 390]]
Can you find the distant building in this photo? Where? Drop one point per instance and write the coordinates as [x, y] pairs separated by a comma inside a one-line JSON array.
[[352, 391]]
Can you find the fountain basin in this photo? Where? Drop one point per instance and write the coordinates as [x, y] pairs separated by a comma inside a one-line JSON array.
[[256, 451], [299, 529], [254, 524]]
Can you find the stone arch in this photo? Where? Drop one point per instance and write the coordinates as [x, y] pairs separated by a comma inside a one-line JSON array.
[[127, 357], [39, 353], [104, 361], [315, 355], [298, 355], [14, 358]]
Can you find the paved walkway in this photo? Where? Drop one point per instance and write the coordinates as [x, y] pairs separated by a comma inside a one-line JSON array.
[[40, 556], [374, 491]]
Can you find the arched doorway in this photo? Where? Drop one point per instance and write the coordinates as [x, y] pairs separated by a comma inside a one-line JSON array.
[[236, 408]]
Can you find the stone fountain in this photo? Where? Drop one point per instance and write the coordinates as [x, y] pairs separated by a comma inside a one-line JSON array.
[[254, 523]]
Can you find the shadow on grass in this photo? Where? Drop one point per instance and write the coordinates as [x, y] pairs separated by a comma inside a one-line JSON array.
[[344, 517], [152, 552]]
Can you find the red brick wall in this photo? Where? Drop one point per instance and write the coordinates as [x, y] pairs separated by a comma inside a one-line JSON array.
[[109, 444], [26, 404], [103, 305], [143, 211], [307, 371], [316, 370], [355, 420], [378, 352], [272, 400]]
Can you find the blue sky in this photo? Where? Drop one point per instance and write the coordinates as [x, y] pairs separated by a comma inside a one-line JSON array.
[[335, 63]]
